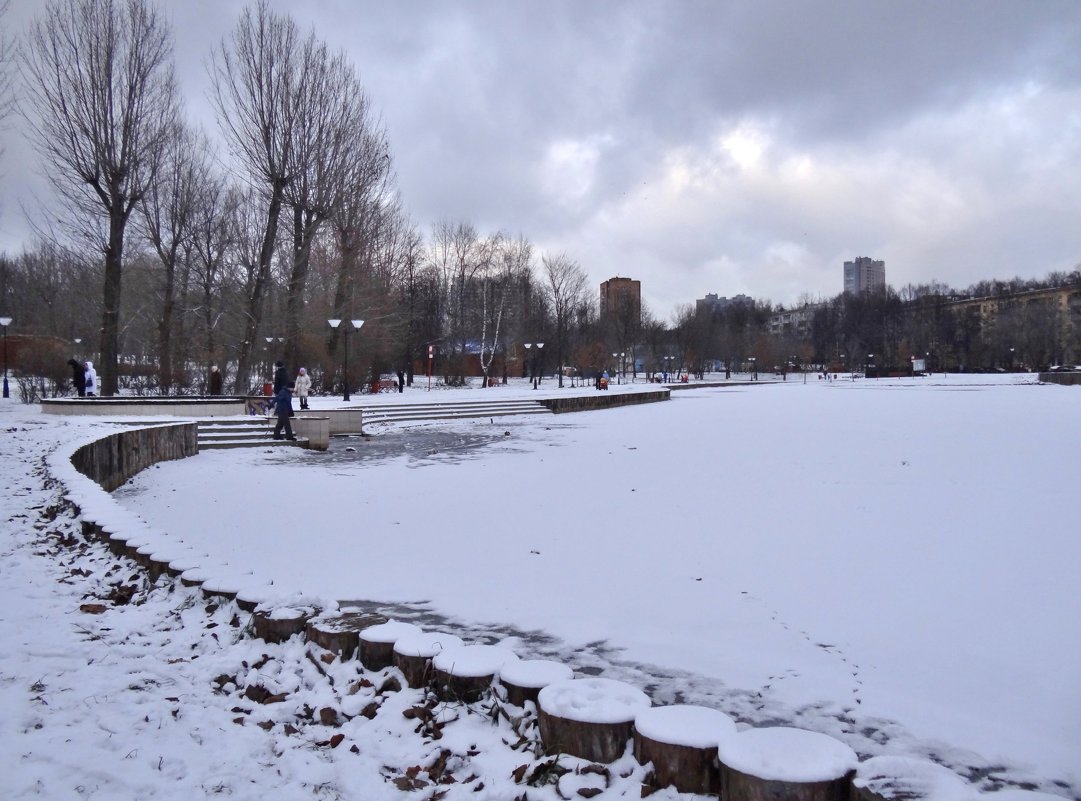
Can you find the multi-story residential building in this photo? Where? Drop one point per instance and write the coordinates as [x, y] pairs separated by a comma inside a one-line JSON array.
[[864, 274], [713, 304], [621, 295]]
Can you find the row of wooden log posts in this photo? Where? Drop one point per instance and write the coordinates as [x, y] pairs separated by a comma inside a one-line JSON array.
[[695, 768]]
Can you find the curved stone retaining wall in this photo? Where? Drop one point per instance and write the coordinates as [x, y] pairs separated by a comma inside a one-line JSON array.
[[112, 460]]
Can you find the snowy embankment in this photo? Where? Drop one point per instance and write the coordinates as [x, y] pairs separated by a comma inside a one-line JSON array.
[[886, 562]]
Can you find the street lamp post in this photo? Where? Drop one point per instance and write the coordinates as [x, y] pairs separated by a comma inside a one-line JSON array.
[[1011, 360], [533, 349], [667, 366], [345, 352], [5, 322], [870, 363], [754, 367], [623, 362]]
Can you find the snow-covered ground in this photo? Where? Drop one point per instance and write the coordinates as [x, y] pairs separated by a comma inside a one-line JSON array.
[[892, 562]]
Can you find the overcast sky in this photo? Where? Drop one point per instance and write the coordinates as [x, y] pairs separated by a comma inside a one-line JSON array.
[[729, 147]]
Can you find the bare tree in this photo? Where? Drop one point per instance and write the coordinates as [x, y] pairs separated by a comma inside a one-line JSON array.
[[169, 210], [7, 91], [254, 74], [102, 94], [214, 233], [566, 286]]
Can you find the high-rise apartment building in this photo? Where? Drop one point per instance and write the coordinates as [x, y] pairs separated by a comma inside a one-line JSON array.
[[865, 275], [621, 295]]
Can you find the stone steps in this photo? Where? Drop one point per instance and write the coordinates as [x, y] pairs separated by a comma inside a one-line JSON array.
[[451, 411], [218, 434]]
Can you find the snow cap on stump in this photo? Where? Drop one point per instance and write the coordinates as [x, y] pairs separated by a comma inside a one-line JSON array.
[[898, 778], [472, 661], [388, 632], [685, 724], [593, 700], [535, 673], [425, 643], [780, 753]]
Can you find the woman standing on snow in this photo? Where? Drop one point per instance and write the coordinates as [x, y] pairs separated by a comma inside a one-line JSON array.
[[90, 378], [302, 386]]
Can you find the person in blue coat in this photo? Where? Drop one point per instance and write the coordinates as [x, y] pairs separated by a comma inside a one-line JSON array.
[[283, 408]]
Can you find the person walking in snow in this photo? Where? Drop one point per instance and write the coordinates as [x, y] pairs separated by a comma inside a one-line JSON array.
[[90, 380], [283, 408], [78, 377], [214, 385], [303, 384]]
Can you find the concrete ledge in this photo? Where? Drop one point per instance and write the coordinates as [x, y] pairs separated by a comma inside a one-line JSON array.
[[177, 406], [603, 400], [1066, 379], [315, 429], [112, 460]]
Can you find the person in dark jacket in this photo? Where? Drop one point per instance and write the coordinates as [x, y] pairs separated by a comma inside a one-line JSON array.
[[215, 381], [280, 377], [78, 377], [283, 408]]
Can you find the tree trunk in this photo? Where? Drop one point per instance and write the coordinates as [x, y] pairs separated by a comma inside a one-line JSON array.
[[108, 378], [165, 327], [304, 230], [255, 301]]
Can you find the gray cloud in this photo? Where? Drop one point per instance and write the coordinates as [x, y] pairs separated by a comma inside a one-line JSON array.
[[717, 146]]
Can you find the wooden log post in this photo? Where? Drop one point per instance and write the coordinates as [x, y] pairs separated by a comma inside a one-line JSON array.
[[681, 741], [339, 632], [278, 625], [465, 673], [785, 764], [413, 654], [589, 718], [897, 778], [524, 679], [377, 643]]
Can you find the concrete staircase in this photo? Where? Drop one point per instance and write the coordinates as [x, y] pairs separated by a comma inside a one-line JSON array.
[[232, 433], [450, 410]]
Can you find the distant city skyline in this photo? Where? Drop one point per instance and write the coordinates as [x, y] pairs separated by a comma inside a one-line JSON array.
[[701, 147]]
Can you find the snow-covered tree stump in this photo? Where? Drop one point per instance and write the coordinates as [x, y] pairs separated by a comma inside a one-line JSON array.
[[339, 632], [785, 764], [589, 718], [465, 673], [413, 654], [681, 741], [377, 643], [524, 679], [895, 778], [220, 589], [278, 625]]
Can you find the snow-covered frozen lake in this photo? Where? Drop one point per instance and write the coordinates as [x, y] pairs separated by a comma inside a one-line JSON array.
[[891, 561]]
